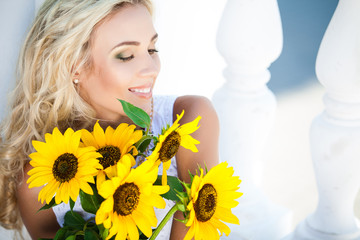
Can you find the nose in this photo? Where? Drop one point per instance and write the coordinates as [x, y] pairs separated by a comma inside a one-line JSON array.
[[150, 66]]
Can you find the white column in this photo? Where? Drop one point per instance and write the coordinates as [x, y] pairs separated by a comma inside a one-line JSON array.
[[335, 133], [250, 39]]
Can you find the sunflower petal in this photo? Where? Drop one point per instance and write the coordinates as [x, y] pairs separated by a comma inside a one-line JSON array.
[[142, 223], [208, 231], [100, 179], [43, 148], [221, 226], [99, 134], [107, 189], [74, 189], [132, 229], [164, 177], [74, 141], [41, 169], [117, 133], [147, 212], [86, 187], [189, 127], [161, 189], [39, 181], [189, 142], [156, 201], [121, 230], [51, 192], [64, 193], [108, 204], [88, 139], [190, 233], [60, 140], [226, 215]]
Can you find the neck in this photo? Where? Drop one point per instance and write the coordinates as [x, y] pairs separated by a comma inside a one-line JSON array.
[[125, 119]]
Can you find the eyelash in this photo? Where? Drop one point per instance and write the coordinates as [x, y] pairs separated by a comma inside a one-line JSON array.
[[125, 59]]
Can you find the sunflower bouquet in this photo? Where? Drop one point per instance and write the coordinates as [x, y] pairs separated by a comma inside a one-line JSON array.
[[99, 170]]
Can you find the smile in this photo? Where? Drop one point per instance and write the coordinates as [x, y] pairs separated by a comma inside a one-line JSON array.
[[140, 90], [144, 92]]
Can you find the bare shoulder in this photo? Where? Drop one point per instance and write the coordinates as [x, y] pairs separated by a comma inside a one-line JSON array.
[[207, 134], [40, 224], [194, 106]]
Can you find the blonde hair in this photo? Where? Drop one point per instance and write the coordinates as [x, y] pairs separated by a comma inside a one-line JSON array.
[[58, 44]]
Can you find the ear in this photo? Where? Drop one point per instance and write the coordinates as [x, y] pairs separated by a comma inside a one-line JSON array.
[[76, 78], [77, 73]]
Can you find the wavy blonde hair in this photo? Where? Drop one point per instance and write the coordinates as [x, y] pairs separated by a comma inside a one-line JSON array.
[[58, 44]]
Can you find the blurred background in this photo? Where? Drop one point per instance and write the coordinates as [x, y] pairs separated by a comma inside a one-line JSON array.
[[191, 64], [190, 59]]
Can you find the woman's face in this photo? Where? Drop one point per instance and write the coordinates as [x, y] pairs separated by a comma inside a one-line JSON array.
[[125, 63]]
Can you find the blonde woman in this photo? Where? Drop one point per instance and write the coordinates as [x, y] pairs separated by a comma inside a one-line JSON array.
[[78, 58]]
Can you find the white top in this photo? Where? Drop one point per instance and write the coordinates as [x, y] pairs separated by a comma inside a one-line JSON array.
[[163, 115]]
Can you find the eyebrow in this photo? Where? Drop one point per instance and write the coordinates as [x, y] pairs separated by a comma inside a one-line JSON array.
[[134, 43]]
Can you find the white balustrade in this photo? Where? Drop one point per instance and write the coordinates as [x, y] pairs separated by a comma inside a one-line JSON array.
[[250, 39], [335, 133]]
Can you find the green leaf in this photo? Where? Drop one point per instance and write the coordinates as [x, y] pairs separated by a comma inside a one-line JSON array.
[[72, 237], [72, 204], [60, 234], [90, 203], [91, 235], [74, 220], [104, 232], [50, 205], [191, 176], [182, 207], [143, 143], [65, 232], [92, 225], [174, 184], [137, 115], [184, 221]]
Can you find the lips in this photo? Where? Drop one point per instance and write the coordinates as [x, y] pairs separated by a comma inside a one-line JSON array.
[[142, 91]]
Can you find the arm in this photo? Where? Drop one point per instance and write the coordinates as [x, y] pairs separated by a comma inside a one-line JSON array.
[[207, 134], [41, 224]]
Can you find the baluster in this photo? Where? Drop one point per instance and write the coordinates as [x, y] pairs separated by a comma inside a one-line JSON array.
[[250, 39], [335, 133]]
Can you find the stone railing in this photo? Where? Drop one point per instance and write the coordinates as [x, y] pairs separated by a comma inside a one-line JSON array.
[[335, 133], [250, 39]]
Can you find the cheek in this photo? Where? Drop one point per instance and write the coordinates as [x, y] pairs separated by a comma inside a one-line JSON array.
[[115, 78]]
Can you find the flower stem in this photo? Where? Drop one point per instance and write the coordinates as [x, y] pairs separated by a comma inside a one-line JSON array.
[[165, 220]]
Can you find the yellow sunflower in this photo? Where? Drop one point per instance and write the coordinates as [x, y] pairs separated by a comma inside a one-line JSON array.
[[170, 141], [129, 201], [62, 166], [211, 200], [113, 145]]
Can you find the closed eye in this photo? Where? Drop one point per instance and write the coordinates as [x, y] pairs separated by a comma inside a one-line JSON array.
[[124, 59], [152, 51]]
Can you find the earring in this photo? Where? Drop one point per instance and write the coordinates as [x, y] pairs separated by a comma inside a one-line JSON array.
[[76, 81]]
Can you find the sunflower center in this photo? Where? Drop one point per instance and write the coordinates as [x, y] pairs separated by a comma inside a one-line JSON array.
[[110, 155], [205, 205], [170, 146], [65, 167], [126, 199]]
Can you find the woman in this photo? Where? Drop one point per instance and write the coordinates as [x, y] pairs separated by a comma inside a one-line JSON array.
[[78, 59]]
